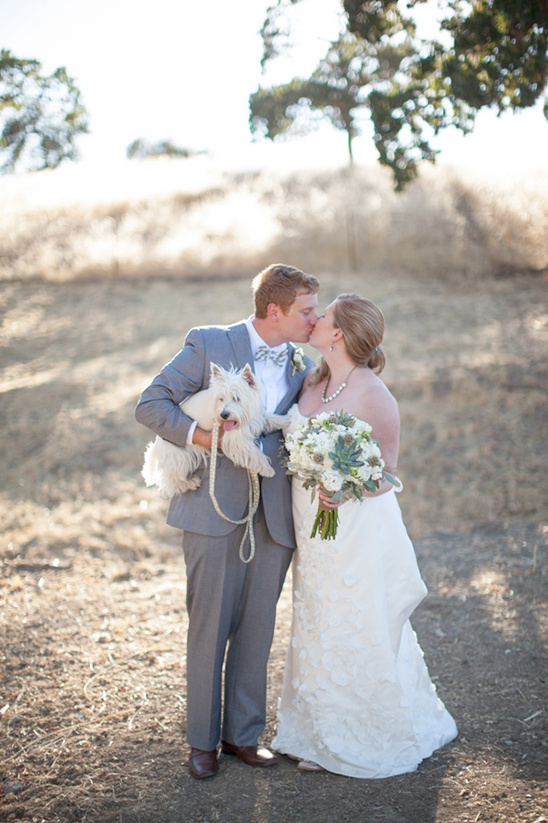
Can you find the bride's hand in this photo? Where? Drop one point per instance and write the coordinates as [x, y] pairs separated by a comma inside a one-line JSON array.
[[326, 502]]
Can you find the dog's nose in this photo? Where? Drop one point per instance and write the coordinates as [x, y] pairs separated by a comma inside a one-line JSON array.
[[225, 415]]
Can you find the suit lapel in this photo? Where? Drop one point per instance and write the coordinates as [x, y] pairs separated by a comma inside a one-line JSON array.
[[239, 339], [294, 379]]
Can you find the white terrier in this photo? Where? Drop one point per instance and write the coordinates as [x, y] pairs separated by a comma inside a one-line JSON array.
[[234, 398]]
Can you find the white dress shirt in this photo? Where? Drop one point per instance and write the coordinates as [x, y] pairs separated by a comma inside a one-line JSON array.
[[273, 377]]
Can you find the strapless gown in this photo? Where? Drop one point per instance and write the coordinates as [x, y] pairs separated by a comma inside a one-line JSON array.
[[357, 698]]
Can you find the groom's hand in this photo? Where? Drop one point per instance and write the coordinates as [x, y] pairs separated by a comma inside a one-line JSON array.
[[202, 437]]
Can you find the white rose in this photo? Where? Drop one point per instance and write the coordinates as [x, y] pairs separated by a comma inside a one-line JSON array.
[[332, 482], [362, 427], [363, 473]]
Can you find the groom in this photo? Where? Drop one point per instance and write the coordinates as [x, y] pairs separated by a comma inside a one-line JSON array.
[[231, 603]]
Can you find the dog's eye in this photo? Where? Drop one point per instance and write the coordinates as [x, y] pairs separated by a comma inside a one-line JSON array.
[[221, 399], [236, 398]]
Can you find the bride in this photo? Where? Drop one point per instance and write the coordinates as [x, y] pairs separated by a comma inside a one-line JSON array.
[[357, 698]]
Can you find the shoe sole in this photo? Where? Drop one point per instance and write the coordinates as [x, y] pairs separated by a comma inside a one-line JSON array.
[[203, 776]]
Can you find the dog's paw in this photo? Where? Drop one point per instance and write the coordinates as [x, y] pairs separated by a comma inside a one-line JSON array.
[[286, 422], [192, 483], [274, 422], [267, 471], [186, 484], [263, 466]]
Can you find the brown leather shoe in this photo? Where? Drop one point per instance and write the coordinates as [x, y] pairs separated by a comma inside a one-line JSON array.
[[252, 755], [203, 764]]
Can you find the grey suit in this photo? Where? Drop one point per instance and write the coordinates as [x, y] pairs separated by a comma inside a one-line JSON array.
[[228, 601]]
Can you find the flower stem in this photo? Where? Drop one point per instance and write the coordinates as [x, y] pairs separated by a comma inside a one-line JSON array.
[[326, 523]]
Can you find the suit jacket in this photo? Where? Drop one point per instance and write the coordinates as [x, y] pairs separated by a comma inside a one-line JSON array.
[[159, 410]]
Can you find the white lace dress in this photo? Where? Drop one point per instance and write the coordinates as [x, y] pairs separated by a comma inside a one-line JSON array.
[[357, 698]]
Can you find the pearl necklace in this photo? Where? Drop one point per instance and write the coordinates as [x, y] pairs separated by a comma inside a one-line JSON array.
[[339, 390]]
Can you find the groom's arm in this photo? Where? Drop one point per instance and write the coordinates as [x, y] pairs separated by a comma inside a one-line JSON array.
[[158, 407]]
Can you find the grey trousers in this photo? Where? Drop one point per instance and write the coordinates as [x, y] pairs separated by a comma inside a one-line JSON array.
[[230, 603]]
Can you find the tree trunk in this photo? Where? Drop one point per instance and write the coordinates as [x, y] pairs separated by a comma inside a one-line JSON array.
[[350, 154]]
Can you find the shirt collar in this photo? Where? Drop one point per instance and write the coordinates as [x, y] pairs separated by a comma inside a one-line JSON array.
[[256, 340]]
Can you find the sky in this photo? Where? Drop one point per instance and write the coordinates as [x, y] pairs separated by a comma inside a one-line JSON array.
[[184, 69]]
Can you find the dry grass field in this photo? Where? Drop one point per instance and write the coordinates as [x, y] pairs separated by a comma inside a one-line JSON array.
[[92, 584], [190, 218]]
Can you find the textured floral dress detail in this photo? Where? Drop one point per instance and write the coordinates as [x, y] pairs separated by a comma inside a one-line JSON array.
[[357, 698]]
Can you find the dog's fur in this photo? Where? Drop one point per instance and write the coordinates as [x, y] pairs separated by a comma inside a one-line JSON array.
[[235, 399]]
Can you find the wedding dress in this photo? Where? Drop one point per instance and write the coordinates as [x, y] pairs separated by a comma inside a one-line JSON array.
[[357, 698]]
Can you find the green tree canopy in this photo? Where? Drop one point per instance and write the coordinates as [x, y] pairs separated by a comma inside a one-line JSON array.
[[490, 53], [341, 87], [498, 55], [40, 115]]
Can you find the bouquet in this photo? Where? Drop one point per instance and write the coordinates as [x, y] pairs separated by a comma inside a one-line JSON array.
[[335, 450]]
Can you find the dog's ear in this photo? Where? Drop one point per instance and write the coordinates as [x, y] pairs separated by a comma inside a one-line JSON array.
[[216, 371], [249, 377]]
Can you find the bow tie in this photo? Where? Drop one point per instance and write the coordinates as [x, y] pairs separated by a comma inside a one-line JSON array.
[[265, 353]]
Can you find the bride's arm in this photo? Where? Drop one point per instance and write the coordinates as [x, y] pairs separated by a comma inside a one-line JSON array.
[[380, 410]]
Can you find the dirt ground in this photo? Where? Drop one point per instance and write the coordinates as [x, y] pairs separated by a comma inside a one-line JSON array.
[[92, 584]]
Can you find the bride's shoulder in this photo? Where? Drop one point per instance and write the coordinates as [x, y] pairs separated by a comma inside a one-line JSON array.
[[377, 397], [369, 381]]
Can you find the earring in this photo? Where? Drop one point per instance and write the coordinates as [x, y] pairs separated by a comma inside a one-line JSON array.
[[330, 348]]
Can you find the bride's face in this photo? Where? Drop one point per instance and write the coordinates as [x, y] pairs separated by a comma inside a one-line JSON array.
[[322, 336]]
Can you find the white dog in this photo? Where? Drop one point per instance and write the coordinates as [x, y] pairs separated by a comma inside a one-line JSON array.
[[234, 398]]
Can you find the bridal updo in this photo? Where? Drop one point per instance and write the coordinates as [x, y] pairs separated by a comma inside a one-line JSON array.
[[362, 325]]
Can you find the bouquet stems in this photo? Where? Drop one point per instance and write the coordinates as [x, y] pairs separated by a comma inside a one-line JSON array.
[[326, 523]]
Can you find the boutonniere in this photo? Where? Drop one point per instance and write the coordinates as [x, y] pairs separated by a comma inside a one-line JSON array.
[[298, 361]]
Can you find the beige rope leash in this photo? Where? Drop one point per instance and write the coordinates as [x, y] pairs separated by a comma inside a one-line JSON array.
[[254, 497]]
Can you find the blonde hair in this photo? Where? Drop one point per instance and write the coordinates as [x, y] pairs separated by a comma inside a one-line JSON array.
[[280, 284], [362, 325]]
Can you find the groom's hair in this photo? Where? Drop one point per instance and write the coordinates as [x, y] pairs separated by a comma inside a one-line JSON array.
[[281, 285]]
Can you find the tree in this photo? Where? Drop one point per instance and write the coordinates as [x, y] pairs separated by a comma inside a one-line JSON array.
[[337, 90], [497, 57], [499, 52], [40, 115]]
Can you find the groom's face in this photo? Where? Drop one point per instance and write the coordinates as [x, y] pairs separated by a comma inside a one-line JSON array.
[[298, 324]]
